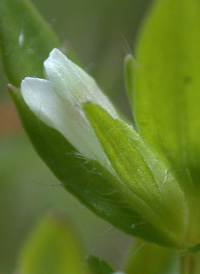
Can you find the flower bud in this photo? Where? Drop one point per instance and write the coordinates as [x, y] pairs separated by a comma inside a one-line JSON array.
[[70, 102], [58, 101]]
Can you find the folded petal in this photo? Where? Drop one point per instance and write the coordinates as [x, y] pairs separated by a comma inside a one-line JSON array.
[[71, 83], [63, 116], [58, 103]]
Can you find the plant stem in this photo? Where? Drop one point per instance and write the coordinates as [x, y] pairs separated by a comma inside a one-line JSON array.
[[188, 264]]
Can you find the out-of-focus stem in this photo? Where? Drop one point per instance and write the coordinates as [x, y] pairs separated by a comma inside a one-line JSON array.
[[188, 264]]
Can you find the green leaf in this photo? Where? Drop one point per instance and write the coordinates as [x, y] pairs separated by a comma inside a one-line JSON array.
[[157, 259], [166, 91], [52, 248], [25, 40], [81, 178], [139, 175], [99, 266]]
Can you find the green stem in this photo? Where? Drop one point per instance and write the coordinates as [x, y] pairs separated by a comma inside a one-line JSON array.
[[188, 264]]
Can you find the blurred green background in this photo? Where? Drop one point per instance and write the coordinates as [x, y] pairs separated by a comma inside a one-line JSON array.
[[101, 33]]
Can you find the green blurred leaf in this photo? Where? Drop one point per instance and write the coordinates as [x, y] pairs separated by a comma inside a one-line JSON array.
[[139, 178], [81, 178], [151, 259], [52, 248], [25, 40], [99, 266], [167, 83]]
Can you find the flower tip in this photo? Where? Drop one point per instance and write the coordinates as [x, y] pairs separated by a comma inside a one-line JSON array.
[[25, 82], [54, 52], [55, 57]]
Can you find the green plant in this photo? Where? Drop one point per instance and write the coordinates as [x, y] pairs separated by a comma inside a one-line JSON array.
[[143, 179]]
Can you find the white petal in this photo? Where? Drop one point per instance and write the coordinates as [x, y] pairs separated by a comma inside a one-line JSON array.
[[63, 116], [72, 83], [41, 99]]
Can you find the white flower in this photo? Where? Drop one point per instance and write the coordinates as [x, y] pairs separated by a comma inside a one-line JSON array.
[[58, 101]]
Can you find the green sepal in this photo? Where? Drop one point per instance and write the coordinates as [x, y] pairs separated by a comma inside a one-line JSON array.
[[99, 266], [157, 259], [25, 40], [139, 177], [52, 248], [166, 90], [83, 179]]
